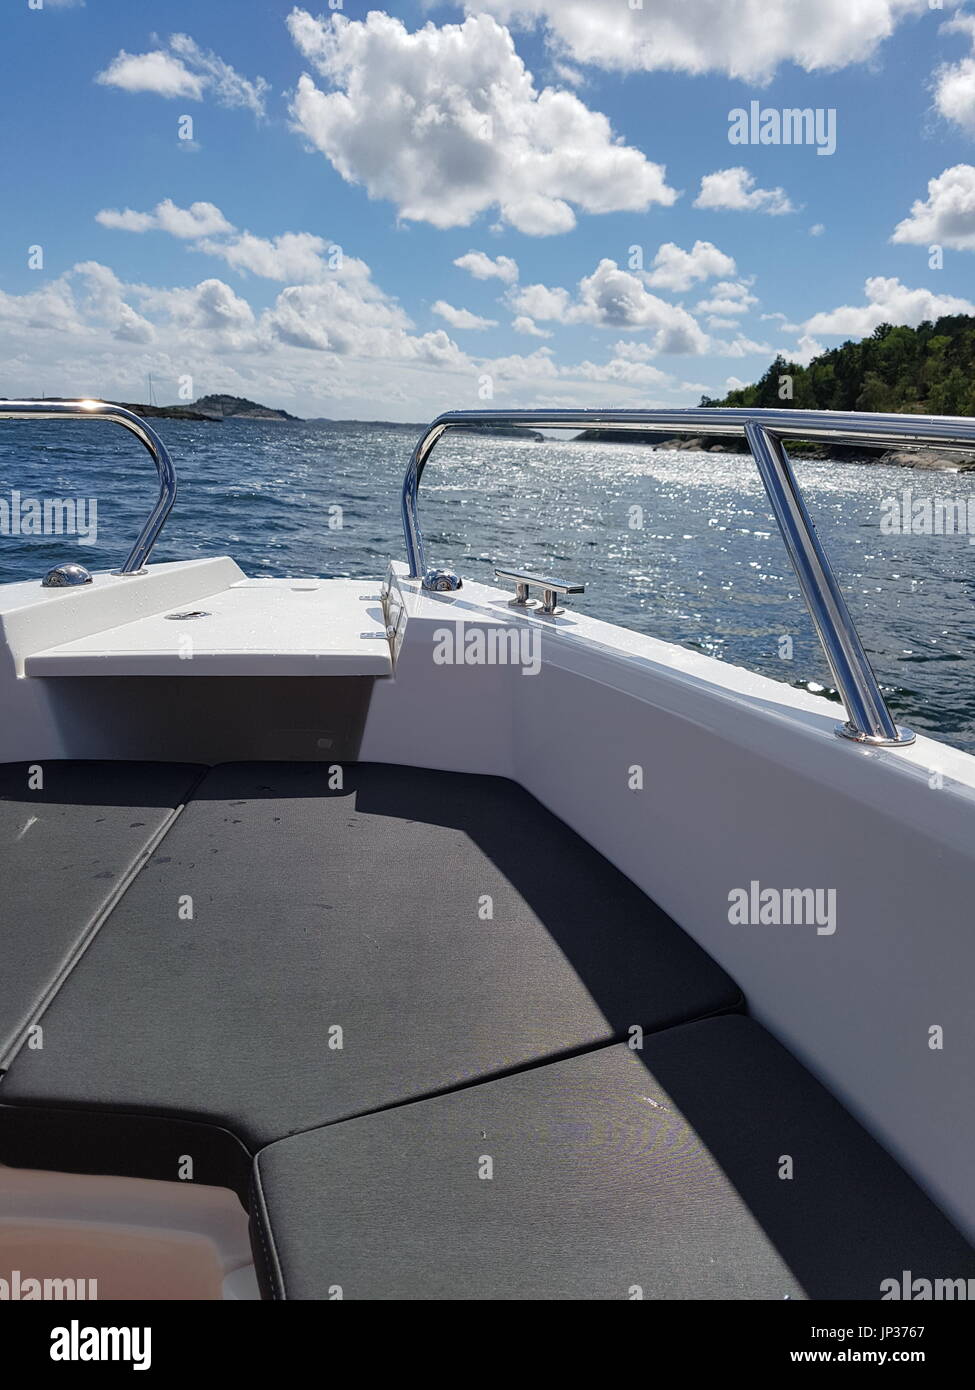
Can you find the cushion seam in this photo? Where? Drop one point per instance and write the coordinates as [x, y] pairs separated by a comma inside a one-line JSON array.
[[42, 1001], [736, 1009], [262, 1221]]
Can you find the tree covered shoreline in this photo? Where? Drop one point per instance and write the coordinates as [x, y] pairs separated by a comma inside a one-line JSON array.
[[928, 370]]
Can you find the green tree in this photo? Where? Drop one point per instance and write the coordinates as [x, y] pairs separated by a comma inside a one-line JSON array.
[[929, 370], [875, 395]]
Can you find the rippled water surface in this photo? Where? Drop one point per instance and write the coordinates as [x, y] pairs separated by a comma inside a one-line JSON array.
[[706, 569]]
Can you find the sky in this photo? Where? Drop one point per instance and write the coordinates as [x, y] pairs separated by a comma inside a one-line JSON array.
[[356, 212]]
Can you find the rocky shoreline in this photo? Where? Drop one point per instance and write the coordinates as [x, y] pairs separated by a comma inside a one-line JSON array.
[[931, 460]]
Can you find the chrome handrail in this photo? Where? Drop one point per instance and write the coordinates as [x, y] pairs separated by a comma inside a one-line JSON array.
[[102, 410], [868, 718]]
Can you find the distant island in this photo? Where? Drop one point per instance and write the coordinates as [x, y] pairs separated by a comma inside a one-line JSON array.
[[211, 408], [208, 408], [928, 370]]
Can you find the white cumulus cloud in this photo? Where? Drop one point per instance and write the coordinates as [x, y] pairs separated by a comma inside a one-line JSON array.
[[617, 299], [52, 308], [184, 70], [447, 122], [300, 257], [888, 301], [523, 324], [330, 302], [484, 267], [210, 308], [676, 269], [946, 216], [105, 300], [157, 72], [740, 346], [728, 297], [736, 190], [461, 318], [198, 220], [296, 257], [806, 349], [954, 83], [744, 38], [782, 320]]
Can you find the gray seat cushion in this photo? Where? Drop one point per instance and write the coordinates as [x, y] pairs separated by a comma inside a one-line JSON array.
[[67, 848], [363, 909], [613, 1172]]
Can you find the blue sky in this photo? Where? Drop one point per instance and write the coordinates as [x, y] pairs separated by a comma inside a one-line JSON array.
[[549, 137]]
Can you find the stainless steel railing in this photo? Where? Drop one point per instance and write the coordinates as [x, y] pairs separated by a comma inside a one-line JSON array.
[[101, 410], [868, 718]]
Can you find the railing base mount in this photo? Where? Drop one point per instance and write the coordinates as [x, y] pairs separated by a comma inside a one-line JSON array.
[[904, 737]]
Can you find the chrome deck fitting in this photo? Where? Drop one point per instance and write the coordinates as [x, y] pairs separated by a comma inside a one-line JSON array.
[[442, 581], [524, 580], [66, 576]]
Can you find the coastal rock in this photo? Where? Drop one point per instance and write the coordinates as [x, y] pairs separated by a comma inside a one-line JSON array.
[[225, 407], [931, 459]]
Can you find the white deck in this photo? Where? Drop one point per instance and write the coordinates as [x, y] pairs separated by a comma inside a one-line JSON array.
[[256, 627]]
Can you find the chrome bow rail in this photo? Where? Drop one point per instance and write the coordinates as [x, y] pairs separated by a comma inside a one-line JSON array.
[[868, 718], [101, 410]]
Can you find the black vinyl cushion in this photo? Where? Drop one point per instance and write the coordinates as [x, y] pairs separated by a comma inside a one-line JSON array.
[[364, 909], [66, 848], [616, 1174]]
